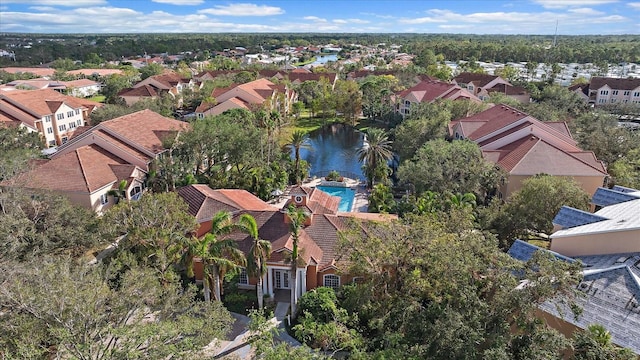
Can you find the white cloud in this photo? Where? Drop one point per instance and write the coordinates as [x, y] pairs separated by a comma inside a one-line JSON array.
[[421, 20], [179, 2], [634, 5], [69, 3], [559, 4], [243, 10], [586, 11], [314, 18]]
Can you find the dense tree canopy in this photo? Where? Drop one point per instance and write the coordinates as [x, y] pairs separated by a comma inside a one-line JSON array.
[[456, 167]]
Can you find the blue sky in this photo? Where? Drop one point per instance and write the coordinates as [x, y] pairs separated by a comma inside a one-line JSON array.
[[575, 17]]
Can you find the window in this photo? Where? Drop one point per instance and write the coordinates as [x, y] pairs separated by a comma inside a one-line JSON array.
[[72, 125], [636, 94], [614, 92], [243, 278], [626, 93], [69, 113], [64, 140], [604, 92], [298, 199], [613, 100], [60, 116], [52, 143], [49, 130], [332, 281], [470, 87], [200, 116], [77, 111], [62, 127], [47, 118], [104, 199], [79, 122]]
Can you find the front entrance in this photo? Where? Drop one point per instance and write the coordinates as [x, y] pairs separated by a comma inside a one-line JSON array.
[[281, 279]]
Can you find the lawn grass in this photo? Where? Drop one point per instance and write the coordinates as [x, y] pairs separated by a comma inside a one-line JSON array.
[[98, 98]]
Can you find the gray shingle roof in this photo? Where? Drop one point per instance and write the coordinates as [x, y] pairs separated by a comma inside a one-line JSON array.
[[610, 294], [523, 251], [569, 217], [606, 197]]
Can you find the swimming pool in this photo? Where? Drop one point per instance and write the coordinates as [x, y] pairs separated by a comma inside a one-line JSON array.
[[346, 196]]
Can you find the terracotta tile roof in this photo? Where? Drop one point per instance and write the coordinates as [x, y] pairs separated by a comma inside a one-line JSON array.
[[430, 90], [205, 202], [80, 83], [9, 112], [142, 91], [479, 80], [532, 155], [496, 118], [34, 71], [37, 100], [560, 126], [614, 83], [145, 128], [508, 89], [123, 145], [85, 169]]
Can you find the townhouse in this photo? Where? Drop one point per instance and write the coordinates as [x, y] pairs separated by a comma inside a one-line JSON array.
[[606, 244], [320, 264], [429, 91], [524, 146], [607, 91], [250, 96], [53, 115], [483, 85], [104, 163]]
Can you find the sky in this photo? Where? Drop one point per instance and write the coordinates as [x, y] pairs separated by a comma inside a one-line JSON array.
[[574, 17]]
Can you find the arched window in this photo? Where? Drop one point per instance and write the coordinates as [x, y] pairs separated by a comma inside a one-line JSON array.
[[331, 280]]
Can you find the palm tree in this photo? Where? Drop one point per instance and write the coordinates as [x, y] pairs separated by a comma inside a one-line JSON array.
[[296, 142], [217, 254], [375, 152], [297, 217], [258, 255]]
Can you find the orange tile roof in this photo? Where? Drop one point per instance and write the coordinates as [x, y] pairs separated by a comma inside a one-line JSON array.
[[34, 71], [145, 128], [142, 91], [37, 100], [85, 169], [99, 72]]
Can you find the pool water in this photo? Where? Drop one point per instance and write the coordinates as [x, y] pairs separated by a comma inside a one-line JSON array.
[[346, 196]]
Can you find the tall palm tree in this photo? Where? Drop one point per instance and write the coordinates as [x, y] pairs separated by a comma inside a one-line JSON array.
[[217, 254], [298, 141], [258, 255], [374, 153], [297, 217]]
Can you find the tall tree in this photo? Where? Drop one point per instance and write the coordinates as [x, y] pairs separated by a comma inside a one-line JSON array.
[[456, 167], [17, 148], [297, 142], [297, 217], [218, 254], [374, 153], [56, 308], [258, 255]]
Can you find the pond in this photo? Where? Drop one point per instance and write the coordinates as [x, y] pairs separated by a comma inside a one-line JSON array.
[[323, 59], [334, 147]]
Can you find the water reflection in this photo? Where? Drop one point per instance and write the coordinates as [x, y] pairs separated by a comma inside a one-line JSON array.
[[334, 147]]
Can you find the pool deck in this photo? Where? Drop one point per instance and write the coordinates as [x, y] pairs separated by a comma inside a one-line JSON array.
[[360, 200]]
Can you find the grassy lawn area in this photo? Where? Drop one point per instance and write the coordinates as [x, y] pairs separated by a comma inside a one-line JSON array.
[[310, 61], [98, 98]]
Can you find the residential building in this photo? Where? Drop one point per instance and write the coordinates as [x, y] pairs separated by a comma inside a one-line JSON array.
[[53, 115], [430, 91], [95, 72], [77, 88], [295, 77], [523, 146], [608, 294], [607, 245], [249, 96], [614, 228], [39, 72], [607, 91], [168, 83], [318, 237], [483, 85], [94, 163]]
